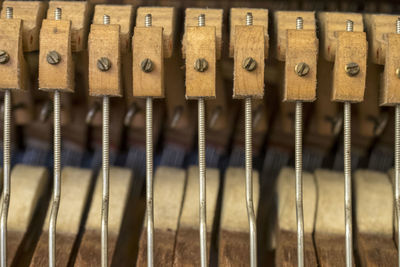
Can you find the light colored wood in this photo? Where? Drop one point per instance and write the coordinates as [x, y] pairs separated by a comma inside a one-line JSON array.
[[213, 18], [238, 17], [32, 13], [389, 94], [249, 42], [302, 46], [286, 20], [330, 24], [147, 42], [78, 13], [121, 15], [200, 43], [350, 47], [164, 17], [14, 73], [105, 82], [56, 36]]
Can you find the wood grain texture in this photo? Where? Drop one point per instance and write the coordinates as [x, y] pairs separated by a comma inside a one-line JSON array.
[[121, 15], [351, 47], [389, 94], [14, 72], [249, 42], [213, 18], [238, 17], [302, 46], [31, 13], [56, 36], [285, 20], [376, 250], [105, 82], [330, 24], [169, 186], [200, 44], [164, 17], [147, 42], [78, 13]]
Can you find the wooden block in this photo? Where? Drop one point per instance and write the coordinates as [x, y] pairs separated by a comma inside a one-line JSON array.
[[249, 42], [75, 185], [89, 253], [31, 13], [389, 94], [286, 20], [351, 47], [234, 246], [121, 15], [286, 250], [164, 17], [148, 43], [238, 17], [213, 18], [200, 44], [374, 218], [14, 72], [379, 27], [187, 240], [330, 24], [302, 46], [55, 35], [78, 13], [169, 186], [105, 82]]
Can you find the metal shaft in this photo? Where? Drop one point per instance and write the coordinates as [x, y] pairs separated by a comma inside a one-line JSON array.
[[397, 174], [149, 181]]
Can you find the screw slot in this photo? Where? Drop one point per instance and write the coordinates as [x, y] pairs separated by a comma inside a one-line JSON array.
[[146, 65], [53, 58], [352, 69], [302, 69], [201, 65], [4, 57], [249, 64], [103, 64]]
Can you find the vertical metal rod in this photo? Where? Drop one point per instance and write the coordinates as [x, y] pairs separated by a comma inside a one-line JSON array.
[[106, 173], [149, 172], [397, 164], [347, 175], [6, 165], [56, 170], [299, 171]]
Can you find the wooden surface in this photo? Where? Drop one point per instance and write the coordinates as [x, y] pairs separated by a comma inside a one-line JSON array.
[[121, 15], [79, 14], [234, 246], [238, 17], [389, 94], [147, 42], [213, 18], [302, 46], [249, 42], [32, 13], [285, 20], [105, 82], [56, 36], [351, 47], [14, 72], [187, 238], [89, 253], [169, 187], [74, 195], [200, 44], [164, 17]]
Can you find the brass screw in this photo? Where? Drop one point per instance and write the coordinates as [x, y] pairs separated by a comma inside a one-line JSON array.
[[4, 57], [103, 64], [302, 69], [53, 58], [249, 64], [398, 73], [146, 65], [201, 65], [352, 69]]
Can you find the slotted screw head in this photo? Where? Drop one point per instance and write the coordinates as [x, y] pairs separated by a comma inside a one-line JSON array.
[[352, 69], [201, 65], [302, 69], [103, 64], [398, 73], [4, 57], [249, 64], [146, 65], [53, 58]]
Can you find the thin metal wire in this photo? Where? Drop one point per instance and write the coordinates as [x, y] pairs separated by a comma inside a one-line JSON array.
[[397, 163]]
